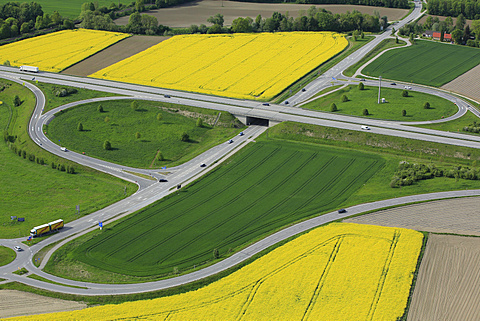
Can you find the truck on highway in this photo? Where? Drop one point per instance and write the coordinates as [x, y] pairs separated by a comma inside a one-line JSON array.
[[46, 228], [29, 68]]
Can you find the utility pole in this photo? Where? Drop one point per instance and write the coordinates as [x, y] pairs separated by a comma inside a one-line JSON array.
[[379, 88]]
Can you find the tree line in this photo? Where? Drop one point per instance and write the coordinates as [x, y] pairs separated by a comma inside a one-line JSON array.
[[468, 8], [17, 19], [376, 3]]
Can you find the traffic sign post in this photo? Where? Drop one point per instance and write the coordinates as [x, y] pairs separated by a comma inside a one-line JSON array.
[[101, 225]]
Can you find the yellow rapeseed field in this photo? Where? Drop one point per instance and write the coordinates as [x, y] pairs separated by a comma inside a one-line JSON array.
[[245, 66], [59, 50], [342, 271]]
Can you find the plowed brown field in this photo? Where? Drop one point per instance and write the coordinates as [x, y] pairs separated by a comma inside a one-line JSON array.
[[448, 280], [198, 12], [113, 54], [467, 84], [17, 303], [459, 216]]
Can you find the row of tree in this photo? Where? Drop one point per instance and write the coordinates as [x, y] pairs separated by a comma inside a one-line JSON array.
[[23, 18], [469, 8], [376, 3]]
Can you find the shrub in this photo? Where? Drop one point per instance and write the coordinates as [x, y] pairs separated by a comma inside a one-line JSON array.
[[404, 113], [17, 101], [107, 119], [134, 105], [160, 156], [199, 122], [404, 93], [159, 116], [361, 86], [54, 166], [344, 98], [216, 254], [80, 127], [62, 168], [365, 112], [138, 135], [100, 108], [426, 105], [107, 145], [185, 137], [333, 107]]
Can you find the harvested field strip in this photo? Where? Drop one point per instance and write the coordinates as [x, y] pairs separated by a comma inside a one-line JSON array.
[[448, 280], [466, 84], [458, 216], [330, 273], [245, 66], [266, 186], [417, 64]]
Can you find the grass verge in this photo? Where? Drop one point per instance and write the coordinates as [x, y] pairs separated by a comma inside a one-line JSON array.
[[359, 100], [139, 136], [7, 255], [39, 278]]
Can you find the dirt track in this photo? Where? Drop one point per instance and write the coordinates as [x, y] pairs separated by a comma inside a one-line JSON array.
[[198, 12], [466, 84], [113, 54], [448, 280], [458, 216], [16, 303]]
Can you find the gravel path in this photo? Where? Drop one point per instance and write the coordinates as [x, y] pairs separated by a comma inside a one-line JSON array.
[[458, 216], [16, 303]]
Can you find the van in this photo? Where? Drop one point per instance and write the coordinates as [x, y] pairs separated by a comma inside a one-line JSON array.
[[365, 127]]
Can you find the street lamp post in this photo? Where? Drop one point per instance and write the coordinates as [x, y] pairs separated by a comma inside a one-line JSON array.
[[379, 88]]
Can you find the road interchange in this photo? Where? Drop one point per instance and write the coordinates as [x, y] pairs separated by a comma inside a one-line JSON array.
[[151, 190]]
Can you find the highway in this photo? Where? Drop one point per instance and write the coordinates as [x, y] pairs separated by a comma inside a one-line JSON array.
[[150, 190]]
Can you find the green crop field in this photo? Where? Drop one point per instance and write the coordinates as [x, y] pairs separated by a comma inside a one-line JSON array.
[[427, 62], [70, 8], [119, 124], [266, 186], [391, 110]]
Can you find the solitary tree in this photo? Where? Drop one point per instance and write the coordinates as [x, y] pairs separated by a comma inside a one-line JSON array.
[[361, 86], [17, 101], [107, 119], [159, 116], [185, 137], [216, 255], [199, 122], [404, 113], [138, 135], [404, 93], [80, 127], [344, 98], [160, 156], [426, 105], [100, 108], [333, 107], [107, 145], [365, 112], [134, 105]]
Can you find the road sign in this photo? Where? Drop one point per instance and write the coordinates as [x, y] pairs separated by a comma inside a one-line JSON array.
[[100, 224]]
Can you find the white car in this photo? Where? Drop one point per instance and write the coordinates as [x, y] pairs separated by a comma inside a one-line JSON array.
[[407, 87], [18, 248], [63, 149], [365, 127]]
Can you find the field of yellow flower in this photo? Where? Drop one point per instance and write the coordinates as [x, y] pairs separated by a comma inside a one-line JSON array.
[[342, 271], [245, 66], [59, 50]]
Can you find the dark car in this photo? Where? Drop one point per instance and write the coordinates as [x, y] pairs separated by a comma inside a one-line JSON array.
[[286, 102], [363, 79], [162, 180], [166, 96], [230, 141], [303, 89], [241, 134], [342, 210], [266, 104], [393, 84], [203, 165]]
